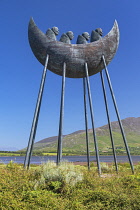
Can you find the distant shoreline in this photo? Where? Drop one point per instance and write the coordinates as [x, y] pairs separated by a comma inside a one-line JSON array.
[[79, 159], [64, 155]]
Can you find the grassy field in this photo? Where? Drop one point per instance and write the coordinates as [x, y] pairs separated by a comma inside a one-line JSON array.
[[76, 144], [9, 154], [69, 187]]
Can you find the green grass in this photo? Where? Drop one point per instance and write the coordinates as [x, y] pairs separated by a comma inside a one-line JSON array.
[[50, 187], [8, 154], [76, 144], [47, 153]]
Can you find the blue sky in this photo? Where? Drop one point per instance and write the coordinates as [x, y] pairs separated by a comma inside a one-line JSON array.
[[20, 72]]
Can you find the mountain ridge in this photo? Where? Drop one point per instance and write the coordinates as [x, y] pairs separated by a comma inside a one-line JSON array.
[[127, 123], [75, 142]]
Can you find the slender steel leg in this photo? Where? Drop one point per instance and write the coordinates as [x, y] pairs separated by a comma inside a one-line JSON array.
[[108, 118], [92, 119], [118, 116], [36, 116], [86, 122], [60, 134]]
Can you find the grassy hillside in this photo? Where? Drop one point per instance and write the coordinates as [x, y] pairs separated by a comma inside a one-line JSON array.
[[75, 143]]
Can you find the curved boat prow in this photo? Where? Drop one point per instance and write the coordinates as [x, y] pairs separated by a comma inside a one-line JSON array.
[[75, 56]]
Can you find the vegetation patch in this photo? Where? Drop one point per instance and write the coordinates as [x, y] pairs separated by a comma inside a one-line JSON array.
[[69, 186], [55, 177]]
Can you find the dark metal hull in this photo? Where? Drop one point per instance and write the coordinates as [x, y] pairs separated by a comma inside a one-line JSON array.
[[75, 56]]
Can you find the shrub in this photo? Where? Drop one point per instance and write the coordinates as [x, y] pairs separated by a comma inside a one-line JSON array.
[[116, 192], [56, 177], [106, 168]]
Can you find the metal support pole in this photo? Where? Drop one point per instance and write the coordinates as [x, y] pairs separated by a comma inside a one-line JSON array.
[[36, 116], [86, 122], [118, 116], [108, 118], [92, 119], [60, 134]]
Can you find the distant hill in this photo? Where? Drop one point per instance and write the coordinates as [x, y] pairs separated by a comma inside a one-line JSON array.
[[8, 148], [75, 143]]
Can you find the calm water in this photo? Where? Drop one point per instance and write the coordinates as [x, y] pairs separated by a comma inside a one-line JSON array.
[[41, 159]]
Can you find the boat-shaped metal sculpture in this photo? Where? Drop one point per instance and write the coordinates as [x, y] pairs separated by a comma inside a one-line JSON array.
[[75, 61], [74, 55]]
